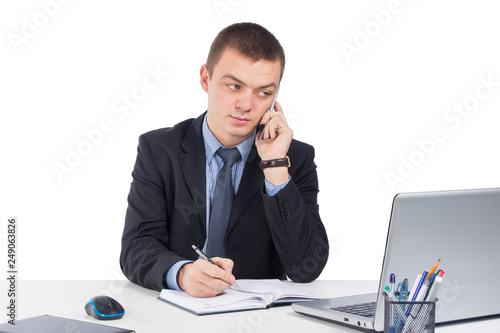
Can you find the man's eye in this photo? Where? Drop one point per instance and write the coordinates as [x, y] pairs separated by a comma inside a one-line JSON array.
[[233, 86], [265, 93]]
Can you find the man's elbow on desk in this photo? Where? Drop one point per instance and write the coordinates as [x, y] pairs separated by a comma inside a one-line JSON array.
[[310, 267]]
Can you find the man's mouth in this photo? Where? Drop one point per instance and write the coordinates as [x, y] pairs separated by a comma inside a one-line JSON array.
[[240, 121]]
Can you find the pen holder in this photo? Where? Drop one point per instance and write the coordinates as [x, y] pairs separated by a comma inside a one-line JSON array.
[[409, 317]]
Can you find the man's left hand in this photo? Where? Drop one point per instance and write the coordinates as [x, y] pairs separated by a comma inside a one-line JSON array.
[[275, 143]]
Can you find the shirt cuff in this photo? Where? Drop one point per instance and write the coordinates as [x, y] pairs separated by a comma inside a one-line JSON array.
[[273, 190], [171, 278]]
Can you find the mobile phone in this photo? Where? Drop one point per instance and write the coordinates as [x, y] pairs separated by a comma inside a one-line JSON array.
[[271, 109]]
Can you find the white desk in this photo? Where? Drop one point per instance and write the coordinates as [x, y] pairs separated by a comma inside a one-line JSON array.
[[145, 313]]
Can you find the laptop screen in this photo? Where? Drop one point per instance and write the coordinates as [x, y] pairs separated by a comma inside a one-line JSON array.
[[460, 227]]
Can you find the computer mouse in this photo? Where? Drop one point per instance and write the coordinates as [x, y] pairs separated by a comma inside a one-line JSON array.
[[104, 308]]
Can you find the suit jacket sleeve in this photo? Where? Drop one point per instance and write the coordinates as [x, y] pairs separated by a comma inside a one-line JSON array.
[[145, 255], [293, 217]]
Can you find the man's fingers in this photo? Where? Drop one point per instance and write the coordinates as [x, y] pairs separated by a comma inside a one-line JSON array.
[[200, 289], [274, 126], [277, 113], [215, 278], [221, 271], [212, 287], [277, 107], [203, 279], [225, 264]]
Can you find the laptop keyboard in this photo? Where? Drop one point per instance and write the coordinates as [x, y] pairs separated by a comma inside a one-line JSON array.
[[362, 309]]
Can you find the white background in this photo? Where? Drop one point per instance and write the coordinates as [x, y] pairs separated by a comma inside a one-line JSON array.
[[66, 66]]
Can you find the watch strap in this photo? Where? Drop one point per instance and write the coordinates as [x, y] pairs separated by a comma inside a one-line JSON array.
[[279, 162]]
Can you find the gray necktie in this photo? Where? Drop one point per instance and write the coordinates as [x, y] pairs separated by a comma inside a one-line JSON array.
[[222, 204]]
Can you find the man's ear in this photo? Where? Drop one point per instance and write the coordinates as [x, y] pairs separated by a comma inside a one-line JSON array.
[[204, 77]]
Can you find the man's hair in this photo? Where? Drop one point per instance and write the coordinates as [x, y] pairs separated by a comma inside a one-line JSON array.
[[251, 40]]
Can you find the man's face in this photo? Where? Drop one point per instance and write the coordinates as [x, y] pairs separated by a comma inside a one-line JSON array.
[[240, 91]]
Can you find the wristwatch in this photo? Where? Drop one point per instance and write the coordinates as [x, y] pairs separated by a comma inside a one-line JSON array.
[[279, 162]]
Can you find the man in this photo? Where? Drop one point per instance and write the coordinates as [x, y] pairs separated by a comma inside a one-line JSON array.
[[274, 229]]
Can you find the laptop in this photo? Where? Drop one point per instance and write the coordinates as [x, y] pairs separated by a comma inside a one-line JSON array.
[[53, 324], [460, 227]]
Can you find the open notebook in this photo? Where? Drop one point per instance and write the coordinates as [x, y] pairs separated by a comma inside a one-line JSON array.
[[254, 294]]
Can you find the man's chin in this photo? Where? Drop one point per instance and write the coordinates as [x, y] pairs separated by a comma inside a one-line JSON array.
[[241, 135]]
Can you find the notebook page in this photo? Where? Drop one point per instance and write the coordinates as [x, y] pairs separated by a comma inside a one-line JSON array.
[[282, 292], [229, 300]]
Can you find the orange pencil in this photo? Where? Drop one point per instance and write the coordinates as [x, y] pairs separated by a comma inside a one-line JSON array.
[[433, 270]]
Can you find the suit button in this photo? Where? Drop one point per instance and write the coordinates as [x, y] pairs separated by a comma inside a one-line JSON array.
[[289, 218], [287, 211], [285, 204]]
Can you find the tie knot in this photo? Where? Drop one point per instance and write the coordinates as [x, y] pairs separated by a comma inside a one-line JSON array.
[[229, 155]]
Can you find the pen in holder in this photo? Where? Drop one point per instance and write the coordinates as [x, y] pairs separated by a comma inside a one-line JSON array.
[[421, 316]]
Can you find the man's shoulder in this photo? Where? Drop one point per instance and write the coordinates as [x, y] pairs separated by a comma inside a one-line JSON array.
[[166, 132], [301, 155], [300, 147], [172, 136]]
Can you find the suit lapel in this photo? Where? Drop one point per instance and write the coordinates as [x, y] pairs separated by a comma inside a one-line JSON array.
[[251, 182], [193, 167]]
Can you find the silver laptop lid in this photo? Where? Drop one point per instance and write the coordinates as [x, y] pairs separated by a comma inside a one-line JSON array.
[[460, 227]]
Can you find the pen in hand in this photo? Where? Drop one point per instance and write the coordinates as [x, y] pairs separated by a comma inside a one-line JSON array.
[[204, 256]]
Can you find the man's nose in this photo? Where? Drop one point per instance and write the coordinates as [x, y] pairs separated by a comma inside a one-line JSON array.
[[245, 101]]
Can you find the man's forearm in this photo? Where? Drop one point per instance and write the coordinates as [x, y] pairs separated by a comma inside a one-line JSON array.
[[298, 233]]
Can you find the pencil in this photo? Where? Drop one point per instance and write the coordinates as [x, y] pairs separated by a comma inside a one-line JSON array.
[[433, 269]]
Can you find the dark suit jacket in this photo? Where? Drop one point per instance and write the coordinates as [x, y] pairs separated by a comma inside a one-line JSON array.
[[267, 237]]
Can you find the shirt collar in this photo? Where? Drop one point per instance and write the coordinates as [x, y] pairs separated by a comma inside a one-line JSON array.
[[212, 144]]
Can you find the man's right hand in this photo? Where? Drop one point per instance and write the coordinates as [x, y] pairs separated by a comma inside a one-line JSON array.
[[203, 279]]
